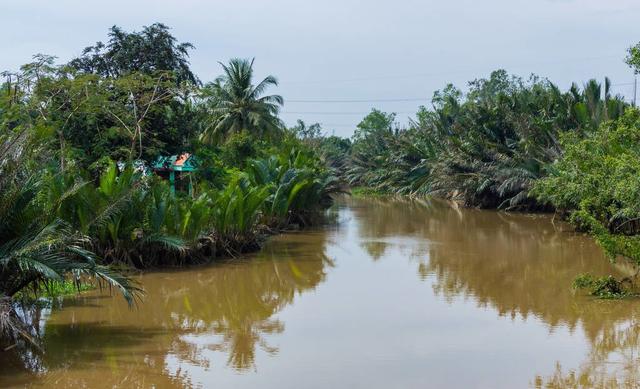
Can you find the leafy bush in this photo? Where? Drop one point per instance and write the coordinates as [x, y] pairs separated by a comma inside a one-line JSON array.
[[601, 287], [297, 183], [239, 148], [596, 182], [136, 220]]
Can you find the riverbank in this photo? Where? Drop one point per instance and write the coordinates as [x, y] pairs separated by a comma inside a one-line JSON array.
[[436, 288]]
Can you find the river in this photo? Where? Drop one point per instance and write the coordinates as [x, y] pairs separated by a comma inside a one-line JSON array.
[[395, 294]]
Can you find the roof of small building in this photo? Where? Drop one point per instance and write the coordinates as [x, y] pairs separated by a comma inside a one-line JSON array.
[[185, 162]]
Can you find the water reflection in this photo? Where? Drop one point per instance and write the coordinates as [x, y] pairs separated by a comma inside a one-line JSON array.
[[227, 309], [613, 361], [520, 266], [517, 264], [238, 301], [421, 294]]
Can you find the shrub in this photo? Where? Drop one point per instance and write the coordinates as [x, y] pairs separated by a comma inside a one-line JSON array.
[[601, 287]]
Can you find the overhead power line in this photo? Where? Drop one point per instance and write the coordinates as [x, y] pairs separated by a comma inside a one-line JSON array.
[[622, 84], [337, 113], [449, 72], [402, 99], [356, 100]]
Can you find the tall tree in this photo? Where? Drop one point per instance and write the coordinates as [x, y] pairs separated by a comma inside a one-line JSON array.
[[375, 122], [237, 104], [151, 50], [95, 117], [633, 57], [146, 85], [307, 132]]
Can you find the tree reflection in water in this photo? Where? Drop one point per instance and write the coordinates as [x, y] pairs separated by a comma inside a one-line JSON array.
[[239, 300], [520, 266], [613, 361], [196, 322], [227, 308]]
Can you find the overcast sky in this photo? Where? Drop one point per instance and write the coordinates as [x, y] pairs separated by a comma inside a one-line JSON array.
[[352, 49]]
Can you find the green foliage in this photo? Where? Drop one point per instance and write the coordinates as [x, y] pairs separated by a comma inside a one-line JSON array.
[[151, 50], [75, 194], [307, 132], [375, 122], [36, 245], [235, 104], [136, 220], [298, 182], [123, 118], [53, 289], [374, 143], [596, 182], [132, 219], [601, 287], [633, 57], [37, 248], [131, 99], [334, 152], [485, 150], [360, 191], [237, 209], [239, 148]]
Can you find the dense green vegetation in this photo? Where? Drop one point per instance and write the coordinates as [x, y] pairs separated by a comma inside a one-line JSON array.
[[602, 287], [78, 200], [37, 248], [77, 197], [513, 144], [486, 149], [596, 184]]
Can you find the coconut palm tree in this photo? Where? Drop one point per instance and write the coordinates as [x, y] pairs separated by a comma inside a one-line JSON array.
[[236, 104]]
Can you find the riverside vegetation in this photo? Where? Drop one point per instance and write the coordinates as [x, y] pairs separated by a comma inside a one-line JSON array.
[[77, 202], [76, 199], [516, 145]]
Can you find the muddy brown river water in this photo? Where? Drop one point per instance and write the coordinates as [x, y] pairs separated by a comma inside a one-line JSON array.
[[396, 294]]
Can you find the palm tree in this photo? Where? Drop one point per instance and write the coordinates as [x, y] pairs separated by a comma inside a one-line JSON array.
[[590, 109], [238, 105], [36, 247]]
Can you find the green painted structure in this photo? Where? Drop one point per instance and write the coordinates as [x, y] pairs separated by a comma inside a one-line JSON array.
[[176, 168]]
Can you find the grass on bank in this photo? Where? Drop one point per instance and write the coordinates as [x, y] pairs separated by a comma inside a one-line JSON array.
[[53, 289], [363, 191]]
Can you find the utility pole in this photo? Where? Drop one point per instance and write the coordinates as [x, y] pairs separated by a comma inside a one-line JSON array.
[[635, 88]]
